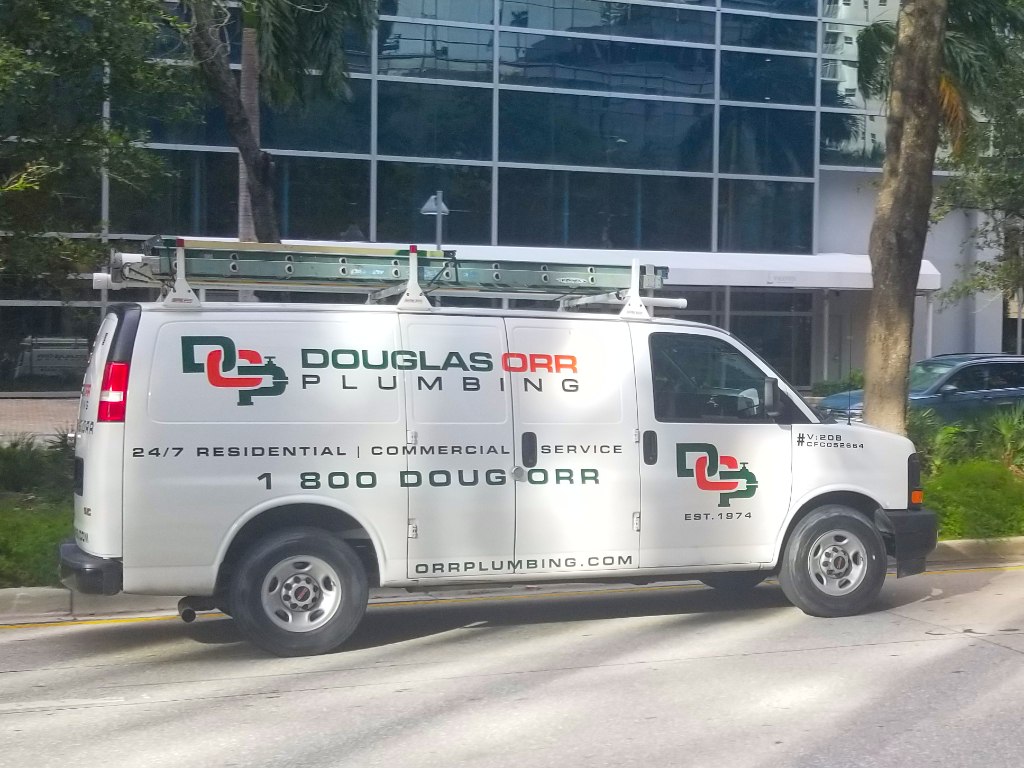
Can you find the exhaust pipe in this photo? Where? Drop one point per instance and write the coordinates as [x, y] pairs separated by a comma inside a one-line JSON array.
[[189, 606]]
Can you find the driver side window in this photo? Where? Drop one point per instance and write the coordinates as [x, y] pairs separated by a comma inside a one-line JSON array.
[[701, 378]]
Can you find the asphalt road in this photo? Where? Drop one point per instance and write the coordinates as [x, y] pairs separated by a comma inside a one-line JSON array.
[[676, 676]]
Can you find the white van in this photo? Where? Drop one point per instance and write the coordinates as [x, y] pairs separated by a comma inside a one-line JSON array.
[[278, 460]]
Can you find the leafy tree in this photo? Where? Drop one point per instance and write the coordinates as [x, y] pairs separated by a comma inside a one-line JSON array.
[[283, 44], [990, 180], [921, 76], [60, 62]]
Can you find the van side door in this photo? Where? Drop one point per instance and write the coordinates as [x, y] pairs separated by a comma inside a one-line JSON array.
[[716, 470], [459, 412], [578, 480]]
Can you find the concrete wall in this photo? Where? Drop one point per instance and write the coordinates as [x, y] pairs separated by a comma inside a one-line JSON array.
[[847, 206]]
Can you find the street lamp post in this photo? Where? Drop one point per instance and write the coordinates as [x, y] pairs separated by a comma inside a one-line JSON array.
[[435, 207]]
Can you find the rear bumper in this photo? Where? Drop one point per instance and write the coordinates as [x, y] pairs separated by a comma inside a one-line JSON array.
[[911, 535], [87, 573]]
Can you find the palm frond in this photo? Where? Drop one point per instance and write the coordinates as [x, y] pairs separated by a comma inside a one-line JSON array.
[[955, 114]]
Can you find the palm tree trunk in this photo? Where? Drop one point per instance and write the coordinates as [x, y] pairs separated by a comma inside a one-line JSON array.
[[250, 93], [211, 55], [901, 214]]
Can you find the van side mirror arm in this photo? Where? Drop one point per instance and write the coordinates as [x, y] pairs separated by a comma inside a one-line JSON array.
[[772, 398]]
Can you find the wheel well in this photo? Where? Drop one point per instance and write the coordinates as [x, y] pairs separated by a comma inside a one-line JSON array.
[[305, 515], [857, 501]]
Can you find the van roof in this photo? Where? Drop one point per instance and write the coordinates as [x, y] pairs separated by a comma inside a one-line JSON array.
[[231, 307]]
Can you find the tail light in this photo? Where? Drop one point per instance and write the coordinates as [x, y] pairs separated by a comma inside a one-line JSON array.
[[113, 392], [916, 498]]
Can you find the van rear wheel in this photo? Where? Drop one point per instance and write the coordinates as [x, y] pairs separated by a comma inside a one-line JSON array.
[[737, 581], [834, 563], [299, 592]]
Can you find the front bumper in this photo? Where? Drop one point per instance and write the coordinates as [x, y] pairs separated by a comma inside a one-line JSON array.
[[87, 573], [910, 535]]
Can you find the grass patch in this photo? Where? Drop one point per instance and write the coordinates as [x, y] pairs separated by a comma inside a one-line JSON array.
[[976, 500], [31, 527]]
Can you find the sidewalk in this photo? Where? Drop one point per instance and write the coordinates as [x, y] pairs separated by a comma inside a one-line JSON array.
[[25, 413], [34, 605]]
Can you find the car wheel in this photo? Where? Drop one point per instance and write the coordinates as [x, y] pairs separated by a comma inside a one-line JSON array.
[[299, 592], [834, 563], [738, 581]]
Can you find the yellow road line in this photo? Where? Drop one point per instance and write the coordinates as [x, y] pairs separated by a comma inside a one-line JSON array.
[[445, 601]]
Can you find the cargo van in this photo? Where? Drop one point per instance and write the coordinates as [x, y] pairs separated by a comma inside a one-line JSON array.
[[276, 461]]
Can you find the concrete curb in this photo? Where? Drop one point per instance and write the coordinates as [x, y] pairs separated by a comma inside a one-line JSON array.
[[32, 605]]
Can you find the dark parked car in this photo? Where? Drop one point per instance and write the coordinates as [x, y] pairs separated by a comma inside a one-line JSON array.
[[956, 387]]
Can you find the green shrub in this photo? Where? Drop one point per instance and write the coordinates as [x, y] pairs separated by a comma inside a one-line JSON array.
[[30, 530], [855, 380], [976, 499], [29, 466]]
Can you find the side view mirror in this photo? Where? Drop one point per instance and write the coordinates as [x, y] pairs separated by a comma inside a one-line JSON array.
[[948, 389], [772, 398]]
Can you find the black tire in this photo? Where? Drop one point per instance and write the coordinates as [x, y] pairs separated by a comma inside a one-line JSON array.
[[736, 581], [290, 549], [814, 582]]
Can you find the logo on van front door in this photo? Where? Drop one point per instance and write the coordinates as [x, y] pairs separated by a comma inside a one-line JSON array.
[[708, 463], [262, 377]]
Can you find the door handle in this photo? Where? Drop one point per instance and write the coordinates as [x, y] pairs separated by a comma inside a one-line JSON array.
[[650, 447], [529, 444]]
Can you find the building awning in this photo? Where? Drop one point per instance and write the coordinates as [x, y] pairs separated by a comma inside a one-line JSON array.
[[836, 271]]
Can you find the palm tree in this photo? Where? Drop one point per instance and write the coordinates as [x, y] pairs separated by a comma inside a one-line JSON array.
[[976, 46], [291, 52]]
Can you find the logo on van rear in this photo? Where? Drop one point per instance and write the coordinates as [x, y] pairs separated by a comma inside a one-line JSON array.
[[731, 474], [227, 367]]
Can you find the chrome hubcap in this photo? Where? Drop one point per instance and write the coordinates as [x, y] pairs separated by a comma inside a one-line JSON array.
[[301, 594], [837, 562]]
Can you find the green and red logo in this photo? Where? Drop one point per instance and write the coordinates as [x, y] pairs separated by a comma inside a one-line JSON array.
[[228, 367], [719, 474]]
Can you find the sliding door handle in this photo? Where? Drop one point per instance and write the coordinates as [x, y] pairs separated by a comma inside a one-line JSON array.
[[650, 443], [529, 444]]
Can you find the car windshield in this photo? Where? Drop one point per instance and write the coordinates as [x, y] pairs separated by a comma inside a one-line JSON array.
[[926, 373]]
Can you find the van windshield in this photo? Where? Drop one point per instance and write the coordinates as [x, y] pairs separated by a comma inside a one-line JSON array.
[[924, 374]]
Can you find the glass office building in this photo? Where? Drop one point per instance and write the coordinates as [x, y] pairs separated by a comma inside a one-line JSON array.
[[699, 127]]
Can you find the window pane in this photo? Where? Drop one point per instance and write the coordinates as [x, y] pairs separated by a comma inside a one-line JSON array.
[[403, 188], [424, 50], [839, 86], [764, 216], [784, 342], [598, 131], [852, 139], [622, 19], [860, 10], [771, 301], [766, 142], [603, 210], [1006, 376], [427, 120], [208, 129], [763, 32], [478, 11], [796, 7], [700, 378], [323, 199], [767, 77], [325, 124], [973, 378], [200, 198], [568, 62]]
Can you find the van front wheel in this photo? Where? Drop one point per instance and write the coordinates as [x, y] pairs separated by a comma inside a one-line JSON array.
[[834, 563], [299, 592]]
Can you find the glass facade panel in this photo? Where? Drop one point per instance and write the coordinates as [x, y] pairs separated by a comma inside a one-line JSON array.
[[323, 199], [568, 62], [795, 7], [764, 32], [200, 197], [403, 188], [784, 341], [564, 129], [765, 216], [863, 11], [603, 210], [852, 139], [620, 19], [324, 124], [474, 11], [766, 142], [209, 129], [426, 120], [767, 77], [426, 50]]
